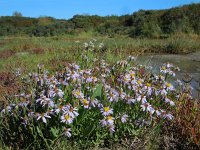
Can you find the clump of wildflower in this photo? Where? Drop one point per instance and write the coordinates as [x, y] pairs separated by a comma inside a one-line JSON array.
[[169, 69], [76, 93]]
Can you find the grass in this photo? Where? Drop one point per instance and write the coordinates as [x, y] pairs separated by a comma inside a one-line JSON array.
[[18, 49]]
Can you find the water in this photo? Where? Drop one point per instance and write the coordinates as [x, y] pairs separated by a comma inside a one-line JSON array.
[[189, 64]]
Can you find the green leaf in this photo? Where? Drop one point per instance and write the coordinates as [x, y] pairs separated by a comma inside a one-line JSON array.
[[55, 132], [39, 131], [98, 91]]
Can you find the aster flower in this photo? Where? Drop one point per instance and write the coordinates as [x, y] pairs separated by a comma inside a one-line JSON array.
[[129, 99], [67, 132], [147, 107], [94, 102], [179, 82], [106, 111], [66, 118], [85, 103], [72, 112], [24, 100], [127, 79], [112, 95], [31, 113], [122, 94], [163, 69], [43, 100], [108, 120], [78, 94], [111, 128], [59, 92], [169, 116], [132, 75], [62, 108], [142, 98], [7, 109], [139, 82], [158, 113], [168, 86], [103, 122], [150, 109], [43, 116], [167, 100], [89, 80], [124, 118], [163, 92], [132, 58]]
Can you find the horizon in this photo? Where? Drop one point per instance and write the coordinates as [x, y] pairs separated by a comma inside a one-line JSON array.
[[67, 9]]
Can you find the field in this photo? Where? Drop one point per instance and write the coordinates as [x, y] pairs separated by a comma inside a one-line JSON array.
[[87, 91], [19, 51]]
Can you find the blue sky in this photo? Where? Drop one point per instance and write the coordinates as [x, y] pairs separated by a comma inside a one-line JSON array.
[[68, 8]]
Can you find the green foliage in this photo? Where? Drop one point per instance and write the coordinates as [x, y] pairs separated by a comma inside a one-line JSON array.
[[144, 23]]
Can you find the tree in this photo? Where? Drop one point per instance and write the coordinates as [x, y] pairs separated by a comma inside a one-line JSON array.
[[17, 14]]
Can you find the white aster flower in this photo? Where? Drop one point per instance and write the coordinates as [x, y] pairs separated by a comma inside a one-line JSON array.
[[124, 118], [67, 132], [66, 118], [43, 116], [106, 111]]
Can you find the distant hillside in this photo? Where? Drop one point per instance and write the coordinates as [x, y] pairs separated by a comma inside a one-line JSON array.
[[144, 23]]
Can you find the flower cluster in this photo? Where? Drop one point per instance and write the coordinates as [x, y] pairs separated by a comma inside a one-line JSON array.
[[169, 69], [113, 94]]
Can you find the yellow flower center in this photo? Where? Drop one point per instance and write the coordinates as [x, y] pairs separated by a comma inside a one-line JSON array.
[[126, 79], [74, 80], [148, 84], [109, 118], [67, 117], [163, 68], [168, 84], [78, 93], [132, 75], [139, 81], [23, 99], [111, 95], [85, 102], [106, 109]]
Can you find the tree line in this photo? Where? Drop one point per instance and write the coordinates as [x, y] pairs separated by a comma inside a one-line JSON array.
[[144, 23]]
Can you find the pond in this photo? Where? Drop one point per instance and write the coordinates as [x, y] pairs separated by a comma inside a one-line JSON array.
[[189, 64]]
